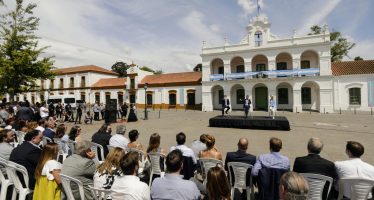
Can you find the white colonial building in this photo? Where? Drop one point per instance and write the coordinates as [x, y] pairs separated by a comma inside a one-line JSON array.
[[297, 71]]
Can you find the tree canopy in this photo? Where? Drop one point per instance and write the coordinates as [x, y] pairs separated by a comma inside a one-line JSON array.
[[340, 45], [120, 68], [21, 63], [358, 58]]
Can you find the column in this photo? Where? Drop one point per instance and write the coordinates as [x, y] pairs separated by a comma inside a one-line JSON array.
[[297, 106]]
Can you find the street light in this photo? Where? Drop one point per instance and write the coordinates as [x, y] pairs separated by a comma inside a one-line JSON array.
[[145, 101]]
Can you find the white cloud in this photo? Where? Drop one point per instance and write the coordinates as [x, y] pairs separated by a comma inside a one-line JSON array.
[[319, 15], [249, 6], [215, 28], [363, 49]]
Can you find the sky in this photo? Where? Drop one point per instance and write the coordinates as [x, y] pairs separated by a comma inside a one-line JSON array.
[[167, 35]]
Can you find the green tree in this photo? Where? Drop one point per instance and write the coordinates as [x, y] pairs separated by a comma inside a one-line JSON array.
[[158, 72], [358, 58], [21, 63], [340, 45], [148, 69], [120, 68], [198, 68]]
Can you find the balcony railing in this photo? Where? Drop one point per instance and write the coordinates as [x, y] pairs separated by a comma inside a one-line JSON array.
[[270, 74]]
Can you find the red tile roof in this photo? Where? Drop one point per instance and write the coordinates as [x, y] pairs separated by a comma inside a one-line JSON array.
[[82, 69], [352, 67], [110, 83], [185, 78]]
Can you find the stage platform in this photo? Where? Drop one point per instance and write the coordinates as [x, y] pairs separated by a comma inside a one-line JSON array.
[[254, 122]]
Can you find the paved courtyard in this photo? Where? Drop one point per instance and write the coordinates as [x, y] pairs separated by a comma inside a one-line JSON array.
[[333, 129]]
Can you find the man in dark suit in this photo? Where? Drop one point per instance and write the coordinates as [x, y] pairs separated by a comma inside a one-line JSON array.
[[246, 105], [314, 163], [27, 154], [225, 105]]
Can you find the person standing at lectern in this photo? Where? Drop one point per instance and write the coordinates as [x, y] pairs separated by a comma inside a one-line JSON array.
[[246, 105], [225, 105]]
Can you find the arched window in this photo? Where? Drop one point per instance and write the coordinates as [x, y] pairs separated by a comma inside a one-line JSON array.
[[354, 96], [258, 38], [239, 96], [97, 97], [149, 98]]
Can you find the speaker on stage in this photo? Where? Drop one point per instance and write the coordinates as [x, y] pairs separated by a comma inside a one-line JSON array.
[[111, 105], [110, 116]]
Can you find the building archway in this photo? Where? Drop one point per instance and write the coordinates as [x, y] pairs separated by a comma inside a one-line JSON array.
[[309, 59], [217, 66], [284, 61], [237, 95], [237, 65], [217, 96], [310, 97], [260, 97], [260, 63]]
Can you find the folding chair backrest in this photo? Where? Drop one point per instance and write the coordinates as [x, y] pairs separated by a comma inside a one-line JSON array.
[[359, 188], [316, 184], [3, 165], [141, 154], [154, 158], [100, 194], [66, 184], [99, 151], [208, 163], [12, 169], [240, 173]]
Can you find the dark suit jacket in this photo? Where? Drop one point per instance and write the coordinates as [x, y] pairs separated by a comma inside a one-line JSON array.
[[25, 113], [240, 156], [102, 139], [27, 155], [49, 133], [249, 104], [315, 164], [224, 103], [268, 183]]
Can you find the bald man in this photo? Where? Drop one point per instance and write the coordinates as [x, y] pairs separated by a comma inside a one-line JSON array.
[[241, 155]]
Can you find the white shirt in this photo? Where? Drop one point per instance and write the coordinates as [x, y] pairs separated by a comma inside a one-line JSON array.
[[119, 140], [130, 188], [49, 166], [197, 146], [186, 151], [43, 112], [354, 168]]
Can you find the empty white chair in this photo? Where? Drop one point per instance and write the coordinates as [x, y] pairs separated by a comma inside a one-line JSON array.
[[316, 184], [4, 181], [359, 188], [66, 184], [99, 151], [154, 158], [240, 173], [207, 163], [12, 169], [100, 194]]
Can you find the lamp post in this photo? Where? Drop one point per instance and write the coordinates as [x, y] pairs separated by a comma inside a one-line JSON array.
[[145, 101]]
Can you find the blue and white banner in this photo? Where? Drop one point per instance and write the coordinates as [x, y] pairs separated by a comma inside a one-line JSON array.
[[371, 92]]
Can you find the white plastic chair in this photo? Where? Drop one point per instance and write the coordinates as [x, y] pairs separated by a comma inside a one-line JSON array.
[[12, 169], [100, 194], [240, 173], [5, 182], [110, 147], [98, 150], [61, 157], [46, 140], [71, 145], [66, 184], [316, 184], [154, 158], [359, 188], [142, 156], [206, 164]]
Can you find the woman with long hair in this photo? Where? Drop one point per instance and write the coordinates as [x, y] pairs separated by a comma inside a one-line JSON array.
[[133, 136], [109, 170], [293, 186], [102, 137], [74, 133], [47, 174], [218, 187], [154, 144], [211, 151]]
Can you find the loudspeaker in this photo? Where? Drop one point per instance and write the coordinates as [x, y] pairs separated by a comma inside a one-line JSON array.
[[111, 105], [110, 116]]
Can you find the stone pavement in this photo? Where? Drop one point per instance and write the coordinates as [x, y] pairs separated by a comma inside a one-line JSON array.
[[333, 129]]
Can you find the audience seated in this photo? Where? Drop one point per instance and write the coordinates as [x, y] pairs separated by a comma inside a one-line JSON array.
[[62, 139], [48, 131], [172, 186], [28, 153], [154, 144], [315, 164], [293, 186], [108, 171], [272, 160], [187, 152], [133, 136], [102, 137], [354, 167], [129, 185], [119, 139], [88, 118], [217, 185], [211, 151], [199, 145], [81, 166], [47, 174], [6, 137], [74, 134]]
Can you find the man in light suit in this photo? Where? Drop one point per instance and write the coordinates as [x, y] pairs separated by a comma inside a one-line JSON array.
[[225, 105], [246, 105], [272, 106]]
